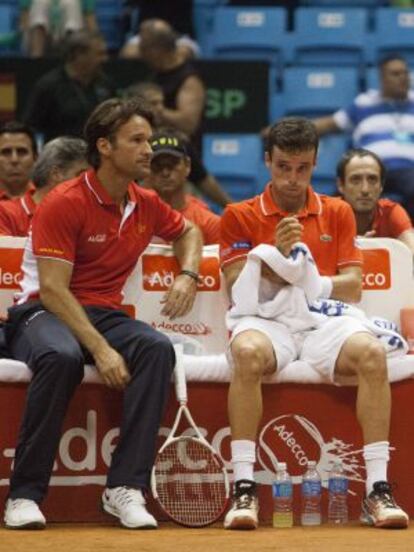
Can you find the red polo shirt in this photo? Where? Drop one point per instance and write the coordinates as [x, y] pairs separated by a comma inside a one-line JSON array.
[[390, 219], [329, 229], [78, 222], [16, 215], [198, 212]]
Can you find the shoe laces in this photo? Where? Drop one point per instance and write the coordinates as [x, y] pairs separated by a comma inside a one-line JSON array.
[[17, 502], [244, 494], [384, 493], [244, 501], [127, 496]]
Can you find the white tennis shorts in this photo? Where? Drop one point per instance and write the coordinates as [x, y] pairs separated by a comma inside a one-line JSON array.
[[319, 348]]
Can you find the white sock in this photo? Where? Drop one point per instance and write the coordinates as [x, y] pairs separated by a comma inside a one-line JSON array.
[[243, 458], [376, 456]]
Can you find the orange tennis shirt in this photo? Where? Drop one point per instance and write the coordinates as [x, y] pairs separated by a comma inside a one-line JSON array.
[[390, 219], [329, 230], [16, 215], [198, 212]]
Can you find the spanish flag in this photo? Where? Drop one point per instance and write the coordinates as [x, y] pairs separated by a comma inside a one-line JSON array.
[[7, 97]]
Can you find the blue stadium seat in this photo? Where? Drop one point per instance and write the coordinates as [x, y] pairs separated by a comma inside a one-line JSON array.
[[277, 106], [331, 148], [109, 14], [203, 21], [346, 3], [250, 33], [335, 36], [314, 92], [235, 160], [394, 32], [9, 35]]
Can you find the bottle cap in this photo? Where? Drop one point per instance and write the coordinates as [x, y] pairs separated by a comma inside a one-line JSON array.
[[311, 463], [281, 466]]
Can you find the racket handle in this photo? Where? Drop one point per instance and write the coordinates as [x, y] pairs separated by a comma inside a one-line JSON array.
[[179, 374]]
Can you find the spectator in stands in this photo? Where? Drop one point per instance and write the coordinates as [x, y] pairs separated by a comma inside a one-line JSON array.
[[360, 180], [62, 100], [187, 47], [170, 167], [61, 159], [184, 92], [18, 152], [288, 212], [48, 21], [383, 122], [199, 176], [86, 238]]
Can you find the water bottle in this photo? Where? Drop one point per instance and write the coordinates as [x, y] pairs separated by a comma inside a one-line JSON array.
[[282, 498], [311, 496], [338, 495]]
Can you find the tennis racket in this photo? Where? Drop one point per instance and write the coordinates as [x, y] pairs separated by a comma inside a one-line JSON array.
[[189, 479]]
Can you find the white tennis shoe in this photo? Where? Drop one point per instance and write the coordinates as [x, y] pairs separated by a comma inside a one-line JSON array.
[[244, 513], [128, 505], [22, 513]]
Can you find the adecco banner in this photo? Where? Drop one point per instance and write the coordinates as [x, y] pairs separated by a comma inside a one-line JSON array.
[[300, 423], [387, 287]]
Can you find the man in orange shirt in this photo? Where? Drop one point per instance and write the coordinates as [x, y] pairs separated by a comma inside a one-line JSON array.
[[360, 180], [170, 167], [61, 159], [18, 152], [287, 212]]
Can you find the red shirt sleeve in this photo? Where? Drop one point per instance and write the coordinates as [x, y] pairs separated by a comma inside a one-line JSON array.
[[55, 228], [349, 253], [6, 226], [235, 237], [169, 224], [399, 221]]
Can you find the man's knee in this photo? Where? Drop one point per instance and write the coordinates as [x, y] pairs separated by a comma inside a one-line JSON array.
[[368, 360], [251, 360]]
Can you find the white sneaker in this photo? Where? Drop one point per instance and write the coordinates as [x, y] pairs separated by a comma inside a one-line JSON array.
[[21, 513], [128, 505], [380, 509], [244, 513]]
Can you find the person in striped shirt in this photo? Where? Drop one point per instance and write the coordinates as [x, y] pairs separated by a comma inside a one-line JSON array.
[[382, 121]]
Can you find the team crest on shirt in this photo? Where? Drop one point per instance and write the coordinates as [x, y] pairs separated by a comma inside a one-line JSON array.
[[97, 238], [325, 238]]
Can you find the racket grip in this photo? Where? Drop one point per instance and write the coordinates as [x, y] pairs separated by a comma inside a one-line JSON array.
[[179, 374]]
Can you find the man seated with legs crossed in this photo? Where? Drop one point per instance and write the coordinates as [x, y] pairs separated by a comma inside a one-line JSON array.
[[287, 212], [87, 235]]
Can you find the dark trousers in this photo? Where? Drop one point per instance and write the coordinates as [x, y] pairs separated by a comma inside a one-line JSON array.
[[40, 339]]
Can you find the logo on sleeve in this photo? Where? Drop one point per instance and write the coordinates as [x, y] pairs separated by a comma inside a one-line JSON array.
[[98, 238], [241, 245]]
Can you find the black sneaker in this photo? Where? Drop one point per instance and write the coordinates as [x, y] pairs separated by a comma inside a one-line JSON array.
[[244, 512], [380, 509]]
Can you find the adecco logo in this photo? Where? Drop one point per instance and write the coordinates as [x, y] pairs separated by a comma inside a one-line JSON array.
[[376, 272], [10, 261], [159, 273]]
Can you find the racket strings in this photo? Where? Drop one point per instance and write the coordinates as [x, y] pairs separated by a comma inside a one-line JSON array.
[[190, 482]]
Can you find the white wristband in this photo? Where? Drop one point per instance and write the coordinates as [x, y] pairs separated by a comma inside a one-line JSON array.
[[327, 285]]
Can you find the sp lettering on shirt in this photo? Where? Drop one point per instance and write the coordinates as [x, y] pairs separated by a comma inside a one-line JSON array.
[[97, 238], [241, 245]]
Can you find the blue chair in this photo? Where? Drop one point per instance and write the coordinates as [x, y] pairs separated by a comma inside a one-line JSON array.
[[335, 37], [109, 14], [331, 149], [250, 33], [394, 32], [203, 21], [9, 35], [235, 160], [346, 3], [314, 92]]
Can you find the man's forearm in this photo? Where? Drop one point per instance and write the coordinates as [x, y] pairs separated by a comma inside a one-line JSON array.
[[188, 249], [347, 288], [65, 306]]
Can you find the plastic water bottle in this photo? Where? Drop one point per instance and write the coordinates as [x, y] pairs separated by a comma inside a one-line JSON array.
[[311, 496], [282, 498], [338, 495]]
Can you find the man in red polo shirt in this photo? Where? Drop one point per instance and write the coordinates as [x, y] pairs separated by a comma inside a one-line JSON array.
[[360, 180], [287, 212], [61, 159], [170, 167], [18, 152], [87, 235]]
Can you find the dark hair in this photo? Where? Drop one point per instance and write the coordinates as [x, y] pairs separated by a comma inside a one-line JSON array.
[[16, 127], [107, 118], [394, 56], [78, 42], [358, 152], [293, 134], [59, 153]]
